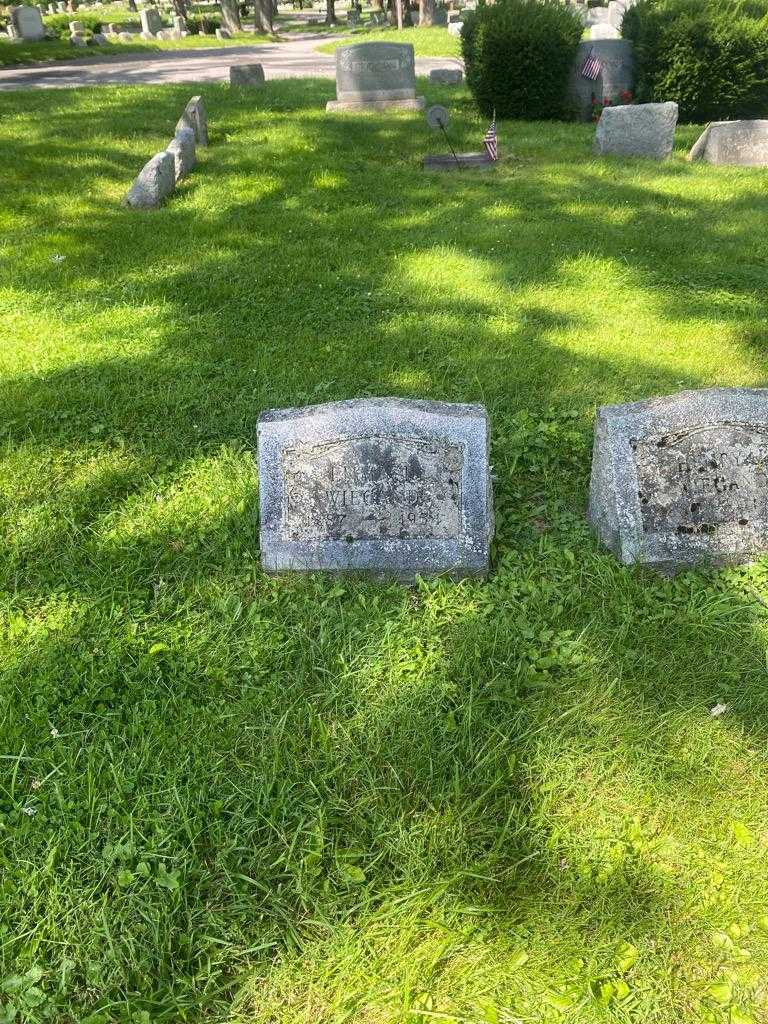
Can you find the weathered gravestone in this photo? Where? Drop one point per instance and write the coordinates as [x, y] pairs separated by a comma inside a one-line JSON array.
[[151, 22], [446, 76], [196, 118], [744, 143], [374, 76], [380, 485], [616, 76], [683, 479], [155, 181], [643, 129], [182, 149], [26, 23], [246, 75]]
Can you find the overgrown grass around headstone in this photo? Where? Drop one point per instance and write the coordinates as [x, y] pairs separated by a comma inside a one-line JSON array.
[[232, 798]]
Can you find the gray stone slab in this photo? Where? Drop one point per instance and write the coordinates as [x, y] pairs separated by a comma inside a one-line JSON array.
[[617, 74], [182, 149], [466, 161], [196, 118], [247, 75], [637, 129], [26, 23], [155, 181], [446, 76], [683, 480], [151, 22], [739, 143], [375, 76], [383, 486]]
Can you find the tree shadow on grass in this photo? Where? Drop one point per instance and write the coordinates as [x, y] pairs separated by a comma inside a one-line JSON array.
[[493, 743]]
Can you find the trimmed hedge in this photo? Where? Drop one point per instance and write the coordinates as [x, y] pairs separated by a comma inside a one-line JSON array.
[[59, 23], [518, 56], [203, 24], [711, 59]]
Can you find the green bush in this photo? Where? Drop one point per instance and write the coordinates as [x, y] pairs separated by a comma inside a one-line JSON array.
[[518, 55], [712, 59], [203, 24], [59, 23]]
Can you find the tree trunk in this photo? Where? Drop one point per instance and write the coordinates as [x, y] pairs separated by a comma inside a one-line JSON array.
[[179, 7], [230, 16], [263, 15], [330, 12], [426, 12], [399, 11], [132, 5]]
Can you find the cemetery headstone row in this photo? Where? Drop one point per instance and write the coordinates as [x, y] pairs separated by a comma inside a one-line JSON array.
[[159, 176], [403, 488]]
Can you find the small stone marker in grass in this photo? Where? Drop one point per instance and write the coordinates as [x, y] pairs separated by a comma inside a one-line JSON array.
[[683, 480], [26, 23], [196, 118], [182, 149], [155, 181], [375, 76], [743, 143], [642, 129], [446, 76], [246, 75], [383, 486]]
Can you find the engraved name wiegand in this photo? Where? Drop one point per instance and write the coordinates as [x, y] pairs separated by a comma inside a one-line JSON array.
[[704, 480], [372, 488]]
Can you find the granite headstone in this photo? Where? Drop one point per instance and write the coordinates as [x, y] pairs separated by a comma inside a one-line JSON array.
[[642, 129], [26, 23], [446, 76], [247, 75], [683, 480], [381, 485], [151, 22], [744, 143], [616, 76], [196, 118], [182, 149], [155, 181], [375, 76]]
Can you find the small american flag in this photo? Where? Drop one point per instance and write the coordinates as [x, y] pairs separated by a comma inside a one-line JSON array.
[[591, 67], [489, 140]]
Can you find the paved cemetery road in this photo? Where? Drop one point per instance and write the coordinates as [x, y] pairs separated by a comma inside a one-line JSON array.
[[296, 58]]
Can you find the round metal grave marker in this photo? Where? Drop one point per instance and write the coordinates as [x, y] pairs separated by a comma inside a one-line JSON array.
[[437, 117]]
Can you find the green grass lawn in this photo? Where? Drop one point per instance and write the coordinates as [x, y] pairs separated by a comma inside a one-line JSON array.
[[12, 54], [232, 798], [426, 42]]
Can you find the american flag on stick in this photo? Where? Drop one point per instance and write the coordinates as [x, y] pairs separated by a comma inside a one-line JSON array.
[[490, 141], [591, 67]]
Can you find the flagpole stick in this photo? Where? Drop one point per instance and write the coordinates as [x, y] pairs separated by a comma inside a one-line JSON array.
[[445, 133]]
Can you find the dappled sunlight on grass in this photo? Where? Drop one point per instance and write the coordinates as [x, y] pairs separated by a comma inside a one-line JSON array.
[[346, 800]]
